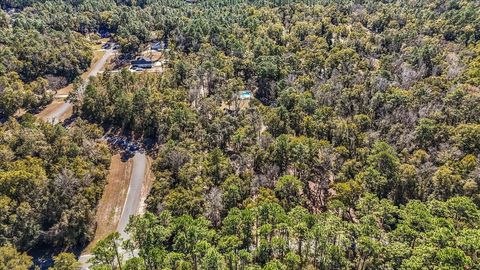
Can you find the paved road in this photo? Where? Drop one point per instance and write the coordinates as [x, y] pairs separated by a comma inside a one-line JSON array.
[[132, 203], [134, 194], [101, 63], [55, 116]]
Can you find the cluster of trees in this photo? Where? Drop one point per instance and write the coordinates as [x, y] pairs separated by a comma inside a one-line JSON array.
[[264, 235], [51, 179], [146, 105], [359, 106], [359, 149], [11, 259], [37, 58], [354, 97]]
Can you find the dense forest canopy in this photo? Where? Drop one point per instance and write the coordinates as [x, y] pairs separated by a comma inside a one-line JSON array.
[[37, 56], [50, 181], [358, 150]]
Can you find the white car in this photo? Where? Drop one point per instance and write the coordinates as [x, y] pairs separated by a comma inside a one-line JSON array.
[[136, 68]]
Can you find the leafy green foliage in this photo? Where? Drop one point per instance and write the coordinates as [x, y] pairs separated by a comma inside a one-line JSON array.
[[12, 259], [264, 235], [50, 181], [358, 148]]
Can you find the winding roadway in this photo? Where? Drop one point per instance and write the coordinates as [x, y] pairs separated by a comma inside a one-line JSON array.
[[134, 198], [138, 180]]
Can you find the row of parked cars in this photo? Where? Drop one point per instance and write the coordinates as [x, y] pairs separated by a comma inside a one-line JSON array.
[[124, 144]]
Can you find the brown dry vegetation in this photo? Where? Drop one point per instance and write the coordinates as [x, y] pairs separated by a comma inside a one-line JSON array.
[[110, 206], [147, 184]]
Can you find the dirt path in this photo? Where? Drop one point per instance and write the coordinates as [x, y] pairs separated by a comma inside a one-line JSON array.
[[56, 111]]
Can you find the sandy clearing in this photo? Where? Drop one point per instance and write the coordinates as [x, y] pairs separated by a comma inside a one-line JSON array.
[[57, 111], [153, 55], [66, 90]]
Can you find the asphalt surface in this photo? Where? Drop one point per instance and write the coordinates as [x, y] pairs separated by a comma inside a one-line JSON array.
[[134, 194], [99, 65], [132, 203], [55, 116], [139, 165]]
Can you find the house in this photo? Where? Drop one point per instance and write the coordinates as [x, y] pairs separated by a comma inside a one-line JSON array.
[[142, 62]]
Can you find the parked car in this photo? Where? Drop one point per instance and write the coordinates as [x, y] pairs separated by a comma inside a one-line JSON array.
[[137, 69], [133, 148]]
